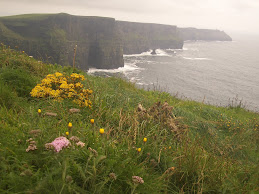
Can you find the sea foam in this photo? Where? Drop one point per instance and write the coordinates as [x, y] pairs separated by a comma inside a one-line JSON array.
[[127, 67]]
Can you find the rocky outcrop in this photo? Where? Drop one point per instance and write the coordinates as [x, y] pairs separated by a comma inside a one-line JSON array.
[[153, 52], [203, 34], [52, 38], [140, 37]]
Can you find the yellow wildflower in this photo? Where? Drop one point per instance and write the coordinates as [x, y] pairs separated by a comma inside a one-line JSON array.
[[64, 86], [57, 74], [67, 133], [102, 131], [92, 121], [59, 87], [70, 94], [79, 85], [145, 139], [139, 149], [69, 125]]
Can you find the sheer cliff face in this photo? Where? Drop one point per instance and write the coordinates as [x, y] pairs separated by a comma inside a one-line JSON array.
[[140, 37], [203, 34], [101, 42], [53, 38]]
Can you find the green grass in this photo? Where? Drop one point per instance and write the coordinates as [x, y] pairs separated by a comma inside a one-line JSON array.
[[212, 149], [27, 17]]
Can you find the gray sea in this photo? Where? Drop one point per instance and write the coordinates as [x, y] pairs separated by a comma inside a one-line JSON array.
[[215, 72]]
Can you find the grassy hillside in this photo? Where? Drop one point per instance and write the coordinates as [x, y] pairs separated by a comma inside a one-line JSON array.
[[149, 142]]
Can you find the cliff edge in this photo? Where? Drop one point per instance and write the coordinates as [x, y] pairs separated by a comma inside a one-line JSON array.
[[203, 34]]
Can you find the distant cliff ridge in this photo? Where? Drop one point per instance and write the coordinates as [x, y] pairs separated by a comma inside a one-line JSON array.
[[101, 42], [53, 37], [203, 34], [140, 37]]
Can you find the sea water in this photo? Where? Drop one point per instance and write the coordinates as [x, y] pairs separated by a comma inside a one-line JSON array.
[[219, 73]]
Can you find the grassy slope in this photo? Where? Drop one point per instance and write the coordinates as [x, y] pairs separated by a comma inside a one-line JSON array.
[[212, 149]]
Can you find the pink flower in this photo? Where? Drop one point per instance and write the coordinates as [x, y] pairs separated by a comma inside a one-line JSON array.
[[59, 143]]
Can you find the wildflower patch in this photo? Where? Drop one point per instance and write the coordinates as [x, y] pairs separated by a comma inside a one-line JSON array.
[[59, 87]]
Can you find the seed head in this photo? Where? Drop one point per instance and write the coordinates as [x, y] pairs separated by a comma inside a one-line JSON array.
[[80, 144], [74, 139], [112, 176], [172, 168], [137, 180]]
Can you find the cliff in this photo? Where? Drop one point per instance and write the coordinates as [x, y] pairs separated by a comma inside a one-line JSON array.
[[52, 38], [140, 37], [203, 34], [101, 42]]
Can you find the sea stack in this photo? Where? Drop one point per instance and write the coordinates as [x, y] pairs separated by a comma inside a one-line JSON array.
[[153, 52]]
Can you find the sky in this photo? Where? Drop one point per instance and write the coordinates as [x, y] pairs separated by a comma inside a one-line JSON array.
[[232, 16]]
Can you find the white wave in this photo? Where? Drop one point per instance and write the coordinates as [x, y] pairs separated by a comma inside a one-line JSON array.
[[127, 67], [134, 79], [94, 70], [147, 53], [196, 58], [160, 52], [130, 67], [142, 84]]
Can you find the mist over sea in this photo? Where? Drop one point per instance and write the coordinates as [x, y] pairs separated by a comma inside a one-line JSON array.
[[218, 73]]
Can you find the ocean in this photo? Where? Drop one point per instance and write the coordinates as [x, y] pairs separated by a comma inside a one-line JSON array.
[[218, 73]]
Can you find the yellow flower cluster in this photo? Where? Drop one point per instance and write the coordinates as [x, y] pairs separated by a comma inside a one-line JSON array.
[[59, 87]]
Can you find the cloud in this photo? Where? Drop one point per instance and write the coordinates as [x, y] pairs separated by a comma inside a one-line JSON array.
[[221, 14]]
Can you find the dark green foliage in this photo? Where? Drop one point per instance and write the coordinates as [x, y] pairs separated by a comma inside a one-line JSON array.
[[18, 80], [8, 98]]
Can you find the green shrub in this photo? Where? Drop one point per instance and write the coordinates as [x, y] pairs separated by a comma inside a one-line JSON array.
[[7, 97], [18, 80]]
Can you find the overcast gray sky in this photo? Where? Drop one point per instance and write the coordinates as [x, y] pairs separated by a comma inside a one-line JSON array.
[[228, 15]]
